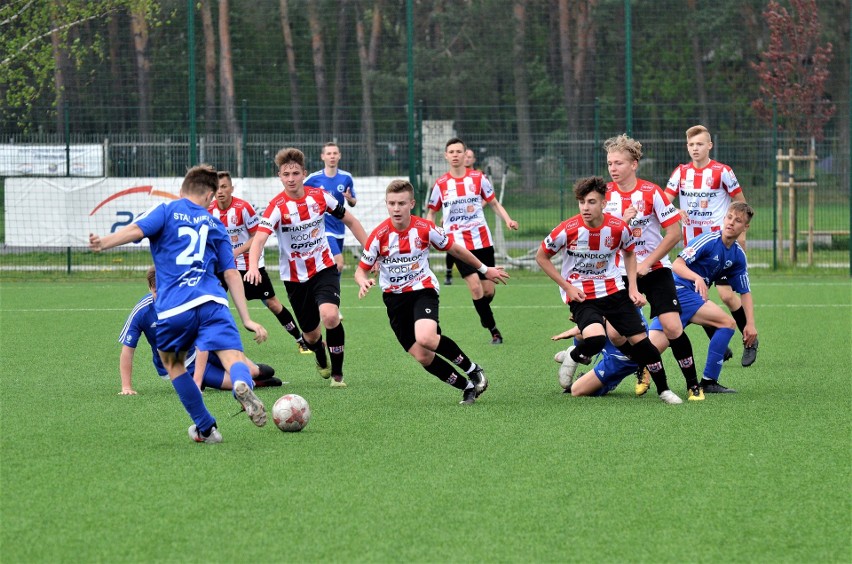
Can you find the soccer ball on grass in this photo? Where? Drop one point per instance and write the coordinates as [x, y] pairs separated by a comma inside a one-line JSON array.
[[291, 413]]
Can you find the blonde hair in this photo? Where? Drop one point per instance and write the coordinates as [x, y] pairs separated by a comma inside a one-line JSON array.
[[624, 144], [697, 130], [399, 186], [151, 276], [743, 209]]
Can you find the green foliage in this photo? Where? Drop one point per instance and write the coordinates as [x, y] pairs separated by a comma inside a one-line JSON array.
[[392, 469]]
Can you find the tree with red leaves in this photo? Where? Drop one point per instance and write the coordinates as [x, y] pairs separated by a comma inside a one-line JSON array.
[[794, 68]]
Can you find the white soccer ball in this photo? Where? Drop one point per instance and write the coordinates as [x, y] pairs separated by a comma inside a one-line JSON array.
[[291, 413]]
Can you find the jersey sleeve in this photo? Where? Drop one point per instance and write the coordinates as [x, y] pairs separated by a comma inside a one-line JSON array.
[[673, 184], [370, 253], [730, 182], [627, 242], [250, 219], [435, 198], [667, 214], [438, 238], [487, 189], [132, 330], [738, 274], [692, 251], [153, 221], [270, 219], [332, 206], [555, 241], [350, 183]]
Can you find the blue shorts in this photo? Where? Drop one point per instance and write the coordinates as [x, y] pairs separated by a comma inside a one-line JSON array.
[[612, 368], [336, 245], [690, 303], [210, 326]]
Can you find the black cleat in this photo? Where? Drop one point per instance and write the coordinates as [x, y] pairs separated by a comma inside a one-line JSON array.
[[714, 387], [480, 381], [266, 371], [729, 354], [468, 396], [448, 282], [496, 339], [750, 354], [271, 382]]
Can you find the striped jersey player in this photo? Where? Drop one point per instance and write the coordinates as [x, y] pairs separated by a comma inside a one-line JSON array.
[[591, 285], [400, 246]]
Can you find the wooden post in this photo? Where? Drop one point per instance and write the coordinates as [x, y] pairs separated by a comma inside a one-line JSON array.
[[779, 209], [811, 202], [791, 212]]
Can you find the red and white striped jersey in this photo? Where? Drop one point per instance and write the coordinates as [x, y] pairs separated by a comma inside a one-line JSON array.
[[240, 222], [299, 226], [705, 195], [403, 256], [461, 203], [589, 255], [654, 213]]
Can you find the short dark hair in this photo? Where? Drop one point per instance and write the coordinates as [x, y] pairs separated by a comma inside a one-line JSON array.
[[743, 208], [585, 186], [290, 155], [199, 180], [151, 276], [223, 174], [399, 186], [453, 141]]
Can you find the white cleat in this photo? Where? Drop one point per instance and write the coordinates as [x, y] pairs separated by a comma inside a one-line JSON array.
[[568, 368], [251, 403], [670, 398]]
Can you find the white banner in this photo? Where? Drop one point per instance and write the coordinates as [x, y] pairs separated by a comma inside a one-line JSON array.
[[61, 212], [51, 160]]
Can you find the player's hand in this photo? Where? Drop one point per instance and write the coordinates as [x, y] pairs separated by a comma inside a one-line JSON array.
[[497, 274], [512, 224], [95, 245], [701, 288], [127, 392], [683, 216], [637, 298], [575, 295], [365, 287], [629, 214], [749, 334], [252, 276], [642, 269], [260, 334], [569, 334]]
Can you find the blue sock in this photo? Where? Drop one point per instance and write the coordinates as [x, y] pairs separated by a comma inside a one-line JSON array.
[[716, 353], [240, 373], [193, 402]]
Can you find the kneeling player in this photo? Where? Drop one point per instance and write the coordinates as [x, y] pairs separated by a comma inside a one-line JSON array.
[[400, 245]]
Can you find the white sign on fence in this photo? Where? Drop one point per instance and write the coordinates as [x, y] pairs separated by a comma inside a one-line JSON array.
[[51, 160]]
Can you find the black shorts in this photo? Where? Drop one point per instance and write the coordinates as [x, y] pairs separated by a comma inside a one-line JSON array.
[[406, 308], [486, 256], [723, 281], [659, 288], [616, 309], [306, 297], [262, 291]]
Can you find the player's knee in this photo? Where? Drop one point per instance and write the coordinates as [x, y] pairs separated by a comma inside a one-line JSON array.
[[594, 344], [729, 323], [428, 342]]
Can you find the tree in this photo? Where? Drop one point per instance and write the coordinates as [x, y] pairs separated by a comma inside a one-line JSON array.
[[292, 73], [367, 58], [318, 52], [210, 81], [522, 98], [576, 45], [226, 71], [794, 68], [340, 67], [139, 30]]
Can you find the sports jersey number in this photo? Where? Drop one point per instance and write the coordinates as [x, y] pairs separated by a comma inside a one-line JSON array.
[[197, 240]]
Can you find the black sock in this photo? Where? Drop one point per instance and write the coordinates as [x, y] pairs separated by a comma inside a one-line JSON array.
[[285, 318], [710, 331], [486, 316], [588, 348], [740, 317], [682, 351], [647, 355], [335, 339], [318, 350], [626, 348], [445, 373], [451, 351]]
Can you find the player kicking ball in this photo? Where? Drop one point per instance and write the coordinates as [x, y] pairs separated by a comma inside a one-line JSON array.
[[400, 246]]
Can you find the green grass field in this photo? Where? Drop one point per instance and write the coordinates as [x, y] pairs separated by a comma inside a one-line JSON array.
[[393, 469]]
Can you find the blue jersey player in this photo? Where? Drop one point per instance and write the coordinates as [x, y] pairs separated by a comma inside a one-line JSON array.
[[339, 184], [706, 259], [208, 372], [189, 246]]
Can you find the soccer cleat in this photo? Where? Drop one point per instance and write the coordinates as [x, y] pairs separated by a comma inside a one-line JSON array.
[[337, 383], [750, 354], [324, 372], [695, 394], [270, 382], [468, 396], [714, 387], [567, 370], [480, 381], [643, 381], [448, 282], [670, 398], [214, 436], [729, 354], [303, 348], [496, 339], [266, 372], [250, 402]]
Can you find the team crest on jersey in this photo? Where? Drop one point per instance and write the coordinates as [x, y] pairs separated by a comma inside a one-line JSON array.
[[609, 241], [637, 231], [315, 207], [420, 244], [640, 206], [708, 180]]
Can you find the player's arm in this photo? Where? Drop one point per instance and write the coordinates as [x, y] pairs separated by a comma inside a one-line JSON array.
[[544, 261], [235, 287], [350, 199], [258, 240], [493, 273], [750, 329], [352, 223], [126, 234], [362, 278], [125, 369], [245, 247], [630, 266], [680, 268], [501, 211], [569, 334]]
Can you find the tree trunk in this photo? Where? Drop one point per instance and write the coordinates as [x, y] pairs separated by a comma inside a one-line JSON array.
[[139, 29], [339, 68], [226, 72], [522, 98], [59, 73], [210, 81], [586, 52], [115, 76], [698, 66], [318, 52], [366, 60], [566, 61], [292, 74]]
